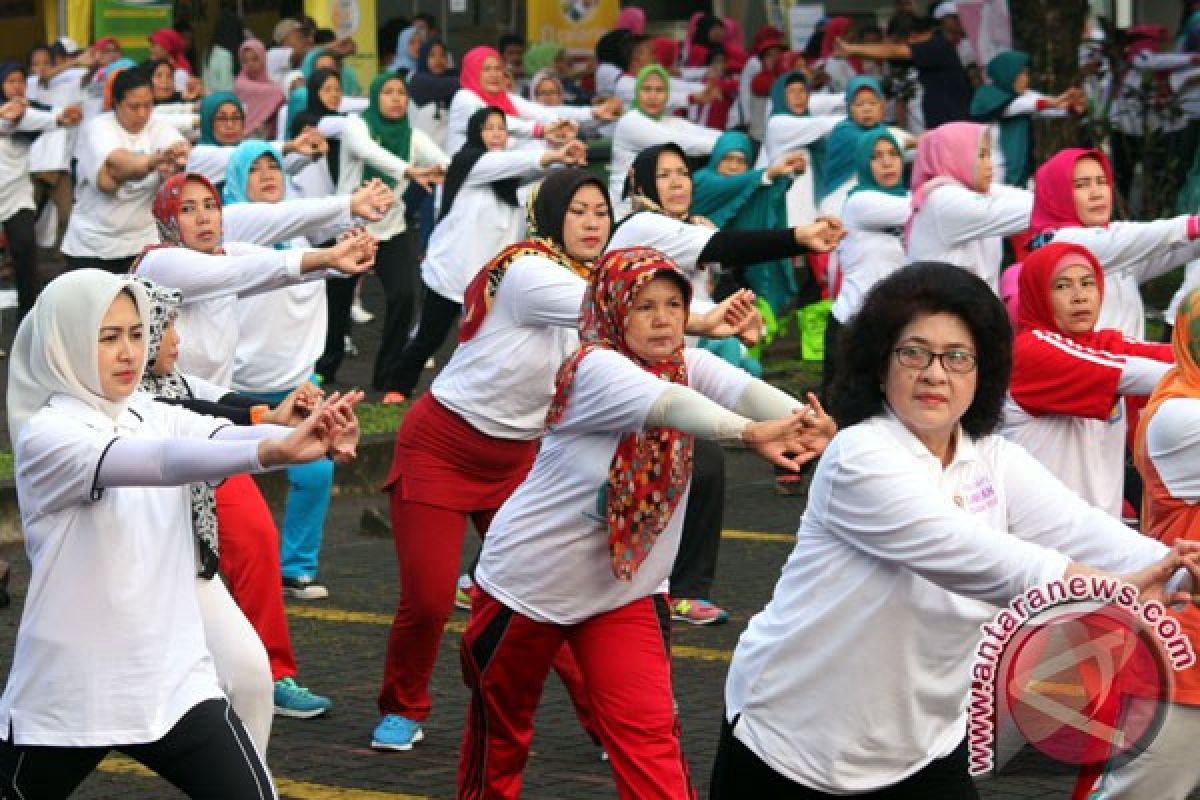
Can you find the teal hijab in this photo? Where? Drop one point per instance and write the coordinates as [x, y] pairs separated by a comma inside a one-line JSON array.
[[779, 108], [237, 173], [208, 110], [297, 102], [842, 144], [720, 197], [988, 105], [863, 155], [742, 202], [393, 135]]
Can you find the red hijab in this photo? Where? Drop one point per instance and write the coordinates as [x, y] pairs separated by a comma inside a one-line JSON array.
[[650, 469], [666, 52], [1054, 190], [1051, 372], [175, 45], [471, 78]]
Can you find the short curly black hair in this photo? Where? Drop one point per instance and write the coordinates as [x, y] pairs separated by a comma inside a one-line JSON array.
[[926, 287]]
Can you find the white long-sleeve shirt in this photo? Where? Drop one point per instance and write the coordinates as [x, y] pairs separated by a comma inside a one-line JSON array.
[[1023, 105], [788, 134], [873, 247], [281, 333], [211, 285], [962, 227], [529, 114], [211, 160], [938, 548], [635, 132], [16, 187], [678, 98], [359, 150], [478, 225], [1132, 253]]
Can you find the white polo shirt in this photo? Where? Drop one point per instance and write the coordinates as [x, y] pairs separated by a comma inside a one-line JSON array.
[[111, 648]]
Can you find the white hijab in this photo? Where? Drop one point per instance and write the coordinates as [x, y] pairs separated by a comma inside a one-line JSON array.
[[56, 349]]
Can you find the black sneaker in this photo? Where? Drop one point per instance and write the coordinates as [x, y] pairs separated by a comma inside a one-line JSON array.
[[304, 589]]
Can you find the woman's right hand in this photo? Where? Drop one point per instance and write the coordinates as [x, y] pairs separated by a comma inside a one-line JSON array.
[[371, 200], [821, 236], [353, 254], [790, 164], [785, 442], [313, 437]]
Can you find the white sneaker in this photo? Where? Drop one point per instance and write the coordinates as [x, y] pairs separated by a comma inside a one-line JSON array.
[[360, 315]]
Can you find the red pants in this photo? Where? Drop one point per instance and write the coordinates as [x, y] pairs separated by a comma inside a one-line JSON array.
[[625, 658], [429, 549], [249, 544]]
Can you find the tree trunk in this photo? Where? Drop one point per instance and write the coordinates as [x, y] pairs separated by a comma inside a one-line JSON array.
[[1050, 31]]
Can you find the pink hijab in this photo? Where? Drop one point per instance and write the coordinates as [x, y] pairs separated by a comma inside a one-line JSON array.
[[946, 156], [261, 96], [1054, 190], [471, 78], [632, 19]]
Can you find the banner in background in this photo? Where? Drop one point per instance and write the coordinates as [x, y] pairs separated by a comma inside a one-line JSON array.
[[354, 19], [573, 24], [130, 22]]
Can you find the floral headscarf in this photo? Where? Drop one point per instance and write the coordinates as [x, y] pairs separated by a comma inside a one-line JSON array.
[[167, 202], [651, 469], [164, 304]]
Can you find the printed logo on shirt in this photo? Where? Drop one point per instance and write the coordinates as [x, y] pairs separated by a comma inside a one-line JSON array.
[[1080, 668], [978, 495]]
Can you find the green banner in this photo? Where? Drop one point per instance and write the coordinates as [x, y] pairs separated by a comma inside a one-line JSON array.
[[130, 22]]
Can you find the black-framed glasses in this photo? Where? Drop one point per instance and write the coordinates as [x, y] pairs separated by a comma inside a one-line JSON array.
[[914, 356], [228, 118]]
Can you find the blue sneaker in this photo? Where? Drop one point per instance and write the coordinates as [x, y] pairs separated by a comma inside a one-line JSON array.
[[395, 732], [292, 700]]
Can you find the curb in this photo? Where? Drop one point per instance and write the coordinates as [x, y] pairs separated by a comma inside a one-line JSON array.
[[363, 477]]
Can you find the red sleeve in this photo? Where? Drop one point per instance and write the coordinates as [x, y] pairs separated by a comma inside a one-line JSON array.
[[1116, 342], [1053, 374], [760, 84]]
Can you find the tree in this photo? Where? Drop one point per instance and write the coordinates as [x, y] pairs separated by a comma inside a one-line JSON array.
[[1050, 31]]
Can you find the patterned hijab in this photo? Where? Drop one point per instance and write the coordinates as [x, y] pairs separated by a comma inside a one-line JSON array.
[[166, 207], [164, 304], [650, 469], [548, 210]]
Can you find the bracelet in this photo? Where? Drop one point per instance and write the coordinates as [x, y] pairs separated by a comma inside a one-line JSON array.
[[258, 413]]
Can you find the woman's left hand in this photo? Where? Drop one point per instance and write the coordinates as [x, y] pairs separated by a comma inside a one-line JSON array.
[[344, 445], [736, 315]]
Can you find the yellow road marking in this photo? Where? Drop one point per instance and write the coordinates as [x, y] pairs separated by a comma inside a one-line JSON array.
[[454, 626], [297, 790], [759, 536]]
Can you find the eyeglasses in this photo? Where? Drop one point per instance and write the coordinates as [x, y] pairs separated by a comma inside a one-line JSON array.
[[916, 357], [228, 119]]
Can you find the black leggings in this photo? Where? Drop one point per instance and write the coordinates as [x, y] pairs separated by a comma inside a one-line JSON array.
[[117, 266], [207, 755], [738, 773], [696, 562], [437, 318], [396, 266], [22, 247]]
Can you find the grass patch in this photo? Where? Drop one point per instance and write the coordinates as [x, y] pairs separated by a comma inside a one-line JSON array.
[[376, 418]]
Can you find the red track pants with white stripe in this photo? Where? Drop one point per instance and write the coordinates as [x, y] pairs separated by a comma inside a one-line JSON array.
[[624, 656]]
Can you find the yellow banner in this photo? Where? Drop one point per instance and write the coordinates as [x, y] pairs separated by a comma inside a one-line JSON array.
[[574, 24], [355, 19]]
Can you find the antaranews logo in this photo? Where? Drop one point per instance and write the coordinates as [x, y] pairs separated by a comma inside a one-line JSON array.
[[1080, 667]]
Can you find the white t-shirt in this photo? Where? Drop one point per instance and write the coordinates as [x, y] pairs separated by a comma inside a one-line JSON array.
[[16, 187], [873, 247], [937, 548], [533, 319], [479, 224], [54, 149], [120, 224], [1172, 442], [962, 227], [682, 241], [111, 648], [546, 554], [211, 286]]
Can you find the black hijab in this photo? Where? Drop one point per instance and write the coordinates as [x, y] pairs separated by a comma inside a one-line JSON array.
[[151, 66], [552, 199], [642, 187], [314, 111], [703, 27], [468, 156], [5, 71], [424, 86]]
